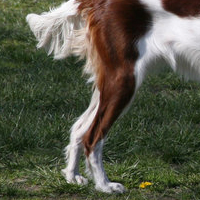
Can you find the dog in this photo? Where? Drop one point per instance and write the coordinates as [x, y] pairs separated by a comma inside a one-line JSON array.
[[120, 40]]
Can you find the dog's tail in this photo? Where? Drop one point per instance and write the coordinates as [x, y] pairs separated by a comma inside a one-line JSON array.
[[60, 31]]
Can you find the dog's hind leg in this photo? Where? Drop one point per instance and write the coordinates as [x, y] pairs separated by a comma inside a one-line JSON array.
[[75, 147], [116, 91]]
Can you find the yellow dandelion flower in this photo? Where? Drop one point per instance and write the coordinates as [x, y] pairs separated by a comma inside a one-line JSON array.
[[145, 184]]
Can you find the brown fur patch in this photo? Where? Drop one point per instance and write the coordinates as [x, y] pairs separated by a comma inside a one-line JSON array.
[[182, 8]]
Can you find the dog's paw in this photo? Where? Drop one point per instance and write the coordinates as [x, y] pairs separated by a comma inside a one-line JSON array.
[[111, 187], [74, 178]]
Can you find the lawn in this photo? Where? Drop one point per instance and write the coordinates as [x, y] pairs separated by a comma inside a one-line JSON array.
[[157, 141]]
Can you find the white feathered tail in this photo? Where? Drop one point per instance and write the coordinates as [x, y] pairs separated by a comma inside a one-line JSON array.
[[60, 31]]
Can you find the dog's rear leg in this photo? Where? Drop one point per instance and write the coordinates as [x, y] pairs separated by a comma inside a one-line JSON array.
[[117, 87], [73, 150]]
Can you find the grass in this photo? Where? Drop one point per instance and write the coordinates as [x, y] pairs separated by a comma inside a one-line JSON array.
[[158, 140]]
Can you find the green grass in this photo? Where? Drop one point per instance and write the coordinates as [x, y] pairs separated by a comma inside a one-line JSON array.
[[158, 140]]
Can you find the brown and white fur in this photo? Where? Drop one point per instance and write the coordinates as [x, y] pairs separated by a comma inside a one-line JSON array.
[[120, 40]]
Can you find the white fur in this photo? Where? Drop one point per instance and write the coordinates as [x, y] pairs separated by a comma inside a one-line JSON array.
[[153, 5], [63, 31], [102, 182], [173, 39], [59, 31]]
